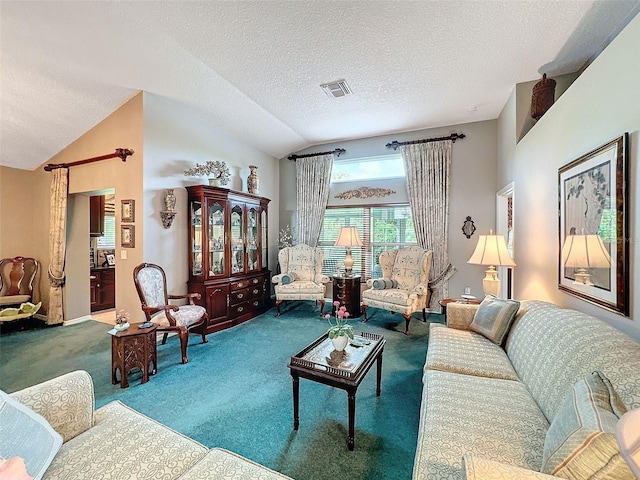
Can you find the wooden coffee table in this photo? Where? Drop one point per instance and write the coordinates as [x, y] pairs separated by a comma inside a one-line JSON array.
[[345, 370]]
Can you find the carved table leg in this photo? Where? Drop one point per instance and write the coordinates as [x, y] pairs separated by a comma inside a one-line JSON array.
[[296, 399]]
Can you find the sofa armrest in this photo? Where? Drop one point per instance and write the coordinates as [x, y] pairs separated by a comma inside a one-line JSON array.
[[277, 278], [66, 402], [223, 464], [460, 315], [478, 468], [321, 278]]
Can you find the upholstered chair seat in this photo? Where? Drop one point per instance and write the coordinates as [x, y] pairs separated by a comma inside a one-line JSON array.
[[151, 284], [301, 277], [403, 288]]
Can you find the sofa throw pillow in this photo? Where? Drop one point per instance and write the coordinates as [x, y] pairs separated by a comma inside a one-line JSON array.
[[494, 317], [384, 283], [287, 278], [580, 443], [26, 434]]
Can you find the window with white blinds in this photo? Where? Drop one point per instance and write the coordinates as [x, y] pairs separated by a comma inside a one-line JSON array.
[[380, 227], [108, 240]]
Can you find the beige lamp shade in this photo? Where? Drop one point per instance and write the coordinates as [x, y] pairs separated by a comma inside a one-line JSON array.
[[628, 436], [491, 250], [583, 252], [348, 237]]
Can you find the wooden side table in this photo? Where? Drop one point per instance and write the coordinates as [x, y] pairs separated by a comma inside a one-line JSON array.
[[445, 301], [346, 290], [133, 348]]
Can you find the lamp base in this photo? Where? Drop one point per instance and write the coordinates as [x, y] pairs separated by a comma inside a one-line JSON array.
[[582, 277], [348, 263], [491, 282]]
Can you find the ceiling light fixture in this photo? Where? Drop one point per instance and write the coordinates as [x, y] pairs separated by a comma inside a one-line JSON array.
[[336, 89]]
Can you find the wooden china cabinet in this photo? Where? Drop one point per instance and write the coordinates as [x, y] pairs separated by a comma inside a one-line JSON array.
[[228, 252]]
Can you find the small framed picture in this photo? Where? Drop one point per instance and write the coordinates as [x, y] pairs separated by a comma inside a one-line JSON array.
[[127, 236], [128, 210], [111, 259]]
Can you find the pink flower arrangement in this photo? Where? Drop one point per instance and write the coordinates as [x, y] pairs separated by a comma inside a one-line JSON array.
[[340, 327], [122, 317]]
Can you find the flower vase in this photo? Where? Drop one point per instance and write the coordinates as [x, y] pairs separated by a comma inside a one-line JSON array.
[[121, 326], [340, 342], [252, 180]]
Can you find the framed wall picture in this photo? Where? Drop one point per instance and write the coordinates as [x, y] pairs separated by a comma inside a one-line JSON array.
[[127, 236], [111, 259], [594, 229], [128, 210]]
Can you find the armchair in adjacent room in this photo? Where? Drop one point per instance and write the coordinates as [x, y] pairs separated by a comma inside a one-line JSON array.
[[403, 287], [151, 284], [301, 277]]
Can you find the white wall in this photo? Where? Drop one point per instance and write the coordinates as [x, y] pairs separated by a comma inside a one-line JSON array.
[[602, 104], [176, 138], [473, 188]]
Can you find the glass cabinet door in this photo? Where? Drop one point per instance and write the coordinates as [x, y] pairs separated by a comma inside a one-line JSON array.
[[216, 239], [253, 232], [196, 238], [264, 239], [237, 240]]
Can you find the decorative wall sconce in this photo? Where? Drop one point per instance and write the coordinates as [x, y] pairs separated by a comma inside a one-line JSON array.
[[169, 213], [468, 227]]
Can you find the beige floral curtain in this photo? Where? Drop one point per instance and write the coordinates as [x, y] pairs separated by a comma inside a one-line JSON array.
[[428, 175], [313, 175], [57, 242]]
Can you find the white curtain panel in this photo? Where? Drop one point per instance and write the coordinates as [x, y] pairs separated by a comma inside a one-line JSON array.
[[312, 193], [428, 175], [57, 242]]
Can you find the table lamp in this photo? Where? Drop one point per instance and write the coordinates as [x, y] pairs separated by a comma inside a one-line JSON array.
[[583, 252], [348, 237], [628, 437], [491, 250]]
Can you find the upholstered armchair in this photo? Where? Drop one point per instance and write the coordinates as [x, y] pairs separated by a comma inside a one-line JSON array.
[[151, 284], [403, 287], [301, 277]]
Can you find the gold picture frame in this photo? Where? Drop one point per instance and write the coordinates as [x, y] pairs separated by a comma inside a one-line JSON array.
[[592, 194], [127, 236], [128, 210]]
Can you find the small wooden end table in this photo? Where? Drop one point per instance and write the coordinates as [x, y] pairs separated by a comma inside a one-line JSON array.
[[346, 290], [134, 348], [345, 370]]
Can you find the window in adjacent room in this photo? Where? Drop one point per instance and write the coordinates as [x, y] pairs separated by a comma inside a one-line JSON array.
[[108, 240], [380, 227]]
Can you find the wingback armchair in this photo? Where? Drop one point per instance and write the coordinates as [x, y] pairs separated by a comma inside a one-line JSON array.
[[301, 277], [403, 287]]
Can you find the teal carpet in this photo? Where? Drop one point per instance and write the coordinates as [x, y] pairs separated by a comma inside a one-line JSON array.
[[235, 392]]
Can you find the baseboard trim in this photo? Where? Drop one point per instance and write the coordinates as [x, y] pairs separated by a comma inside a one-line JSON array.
[[75, 321]]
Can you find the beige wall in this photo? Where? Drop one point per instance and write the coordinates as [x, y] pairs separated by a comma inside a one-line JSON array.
[[599, 106], [473, 189], [24, 221]]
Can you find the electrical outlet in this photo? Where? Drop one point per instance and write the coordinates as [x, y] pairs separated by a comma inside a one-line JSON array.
[[467, 290]]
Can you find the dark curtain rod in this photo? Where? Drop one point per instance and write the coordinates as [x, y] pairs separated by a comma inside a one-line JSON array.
[[337, 152], [122, 153], [453, 137]]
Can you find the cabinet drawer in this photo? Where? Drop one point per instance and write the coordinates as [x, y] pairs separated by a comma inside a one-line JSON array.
[[240, 309], [239, 296]]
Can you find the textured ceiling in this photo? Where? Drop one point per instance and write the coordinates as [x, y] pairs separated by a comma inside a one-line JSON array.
[[253, 68]]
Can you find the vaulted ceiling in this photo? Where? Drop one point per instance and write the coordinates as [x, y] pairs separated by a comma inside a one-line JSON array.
[[253, 68]]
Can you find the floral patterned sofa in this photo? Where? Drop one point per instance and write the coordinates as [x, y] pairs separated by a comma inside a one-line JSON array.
[[116, 442], [487, 410]]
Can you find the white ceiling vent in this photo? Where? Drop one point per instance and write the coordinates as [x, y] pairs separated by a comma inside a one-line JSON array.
[[336, 89]]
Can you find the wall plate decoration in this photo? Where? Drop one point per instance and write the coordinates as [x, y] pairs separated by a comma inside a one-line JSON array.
[[592, 193], [128, 210], [127, 236], [111, 259], [468, 227]]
